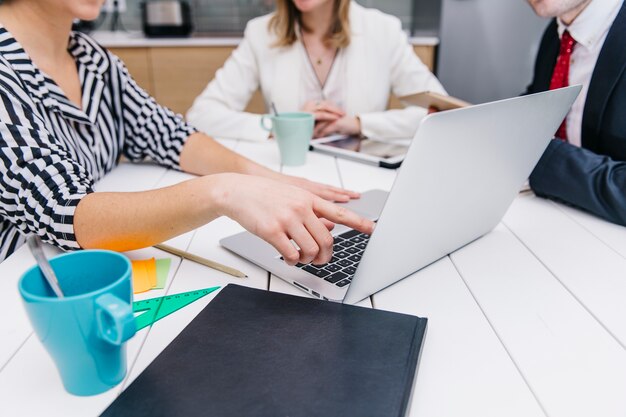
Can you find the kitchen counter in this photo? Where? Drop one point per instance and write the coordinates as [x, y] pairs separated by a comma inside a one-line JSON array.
[[136, 39]]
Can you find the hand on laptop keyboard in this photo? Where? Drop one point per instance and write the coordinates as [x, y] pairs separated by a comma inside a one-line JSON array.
[[279, 213], [347, 250]]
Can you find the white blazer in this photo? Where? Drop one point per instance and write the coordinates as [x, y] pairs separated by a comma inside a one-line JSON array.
[[379, 60]]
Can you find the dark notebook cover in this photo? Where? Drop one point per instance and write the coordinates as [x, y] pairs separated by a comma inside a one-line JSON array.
[[258, 353]]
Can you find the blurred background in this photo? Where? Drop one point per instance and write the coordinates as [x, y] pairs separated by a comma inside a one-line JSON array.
[[485, 48], [231, 16]]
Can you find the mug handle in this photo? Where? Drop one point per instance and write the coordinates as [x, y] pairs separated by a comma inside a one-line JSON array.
[[115, 319], [264, 125]]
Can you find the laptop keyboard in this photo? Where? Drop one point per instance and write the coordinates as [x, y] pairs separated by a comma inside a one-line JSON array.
[[347, 251]]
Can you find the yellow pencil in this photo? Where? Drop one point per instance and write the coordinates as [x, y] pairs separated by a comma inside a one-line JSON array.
[[203, 261]]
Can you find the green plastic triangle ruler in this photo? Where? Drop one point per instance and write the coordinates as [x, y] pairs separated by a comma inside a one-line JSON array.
[[154, 309]]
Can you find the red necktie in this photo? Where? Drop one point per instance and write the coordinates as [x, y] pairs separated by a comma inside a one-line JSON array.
[[560, 76]]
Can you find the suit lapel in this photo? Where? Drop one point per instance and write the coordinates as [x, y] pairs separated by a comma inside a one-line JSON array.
[[609, 68]]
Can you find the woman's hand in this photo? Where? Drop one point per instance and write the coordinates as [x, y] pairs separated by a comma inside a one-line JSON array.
[[330, 119], [346, 125], [324, 111], [279, 213], [327, 192]]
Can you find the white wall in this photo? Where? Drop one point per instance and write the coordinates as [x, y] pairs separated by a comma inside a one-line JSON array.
[[488, 48]]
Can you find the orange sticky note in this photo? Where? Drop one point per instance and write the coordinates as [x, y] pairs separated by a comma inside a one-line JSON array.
[[144, 275]]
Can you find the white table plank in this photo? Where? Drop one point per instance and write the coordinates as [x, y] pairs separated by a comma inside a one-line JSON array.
[[144, 177], [613, 235], [574, 367], [318, 167], [464, 370], [31, 386], [360, 177], [172, 177], [592, 272], [264, 153], [15, 327], [229, 143]]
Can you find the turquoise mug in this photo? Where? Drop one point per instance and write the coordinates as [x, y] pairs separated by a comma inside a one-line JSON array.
[[84, 331], [293, 133]]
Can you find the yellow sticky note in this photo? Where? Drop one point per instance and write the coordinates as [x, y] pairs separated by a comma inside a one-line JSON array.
[[152, 272], [144, 275]]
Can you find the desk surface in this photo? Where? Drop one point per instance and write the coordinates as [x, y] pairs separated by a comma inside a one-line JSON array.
[[529, 320]]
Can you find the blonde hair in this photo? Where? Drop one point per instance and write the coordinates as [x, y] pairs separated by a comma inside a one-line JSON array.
[[284, 20]]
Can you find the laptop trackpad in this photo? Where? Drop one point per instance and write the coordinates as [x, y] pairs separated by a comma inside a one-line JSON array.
[[369, 205]]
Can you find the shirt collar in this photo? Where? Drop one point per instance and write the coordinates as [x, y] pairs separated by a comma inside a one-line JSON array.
[[41, 88], [592, 23], [33, 80], [88, 54]]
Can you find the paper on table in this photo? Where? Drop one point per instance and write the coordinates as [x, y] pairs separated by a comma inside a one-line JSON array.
[[144, 275], [162, 271], [429, 99]]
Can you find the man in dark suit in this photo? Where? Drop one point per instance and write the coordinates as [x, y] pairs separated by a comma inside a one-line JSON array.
[[585, 165]]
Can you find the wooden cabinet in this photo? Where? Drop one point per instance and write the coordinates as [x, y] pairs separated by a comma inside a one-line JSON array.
[[426, 54], [175, 76], [180, 74], [138, 62]]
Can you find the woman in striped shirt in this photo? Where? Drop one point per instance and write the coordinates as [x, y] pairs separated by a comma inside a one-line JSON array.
[[69, 109]]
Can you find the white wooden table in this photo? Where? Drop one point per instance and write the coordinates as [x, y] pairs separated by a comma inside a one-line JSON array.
[[529, 320]]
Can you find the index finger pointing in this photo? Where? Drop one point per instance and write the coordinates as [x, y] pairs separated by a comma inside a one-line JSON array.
[[342, 215]]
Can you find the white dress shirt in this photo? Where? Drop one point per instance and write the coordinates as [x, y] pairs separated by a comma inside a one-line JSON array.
[[378, 61], [332, 89], [589, 30]]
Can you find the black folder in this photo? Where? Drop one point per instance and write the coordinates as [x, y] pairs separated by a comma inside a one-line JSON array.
[[258, 353]]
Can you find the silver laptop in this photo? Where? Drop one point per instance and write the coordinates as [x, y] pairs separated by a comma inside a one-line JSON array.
[[462, 171]]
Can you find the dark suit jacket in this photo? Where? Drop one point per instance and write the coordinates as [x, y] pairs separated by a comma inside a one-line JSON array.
[[592, 177]]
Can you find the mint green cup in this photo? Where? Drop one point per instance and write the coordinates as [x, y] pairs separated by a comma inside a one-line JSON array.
[[293, 133], [84, 332]]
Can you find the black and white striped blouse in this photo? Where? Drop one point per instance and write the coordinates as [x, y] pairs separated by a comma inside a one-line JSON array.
[[52, 152]]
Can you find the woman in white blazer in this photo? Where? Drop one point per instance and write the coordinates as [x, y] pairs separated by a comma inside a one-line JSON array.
[[331, 57]]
